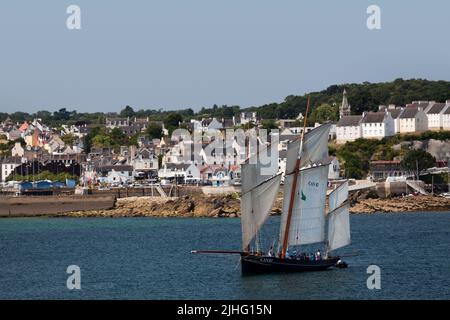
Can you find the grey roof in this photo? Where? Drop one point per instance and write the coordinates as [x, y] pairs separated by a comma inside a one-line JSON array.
[[177, 166], [115, 168], [447, 111], [11, 160], [395, 113], [409, 112], [349, 121], [436, 108], [374, 117], [289, 137], [206, 122]]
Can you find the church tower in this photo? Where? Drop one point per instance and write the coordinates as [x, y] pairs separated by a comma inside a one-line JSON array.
[[344, 110]]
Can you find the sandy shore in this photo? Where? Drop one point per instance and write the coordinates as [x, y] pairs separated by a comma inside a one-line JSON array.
[[229, 206]]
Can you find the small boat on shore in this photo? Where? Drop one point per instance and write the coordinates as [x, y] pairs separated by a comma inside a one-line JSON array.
[[304, 217]]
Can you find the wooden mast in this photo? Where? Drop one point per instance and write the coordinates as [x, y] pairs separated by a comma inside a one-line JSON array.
[[294, 187]]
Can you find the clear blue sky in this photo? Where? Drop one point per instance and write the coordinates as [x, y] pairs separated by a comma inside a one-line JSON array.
[[174, 54]]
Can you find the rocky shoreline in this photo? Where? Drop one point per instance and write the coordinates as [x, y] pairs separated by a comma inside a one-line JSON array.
[[401, 204], [229, 206]]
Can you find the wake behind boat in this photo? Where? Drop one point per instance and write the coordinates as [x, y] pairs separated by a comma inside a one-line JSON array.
[[304, 217]]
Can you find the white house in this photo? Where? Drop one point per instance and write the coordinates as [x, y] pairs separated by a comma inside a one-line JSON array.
[[446, 117], [8, 165], [413, 119], [395, 115], [348, 129], [377, 125], [435, 116], [247, 117], [144, 161], [187, 172], [17, 150], [211, 124], [116, 174]]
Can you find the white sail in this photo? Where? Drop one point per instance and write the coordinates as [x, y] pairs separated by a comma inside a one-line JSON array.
[[315, 148], [256, 205], [339, 228], [338, 196], [308, 215]]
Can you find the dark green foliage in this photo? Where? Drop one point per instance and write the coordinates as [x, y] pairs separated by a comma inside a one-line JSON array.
[[418, 160], [172, 121], [127, 112], [44, 175], [362, 97], [269, 124], [154, 131]]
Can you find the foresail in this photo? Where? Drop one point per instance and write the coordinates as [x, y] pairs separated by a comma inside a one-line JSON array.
[[315, 148], [308, 215], [339, 227], [255, 207], [338, 196]]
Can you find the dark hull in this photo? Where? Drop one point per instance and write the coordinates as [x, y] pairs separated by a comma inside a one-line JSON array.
[[257, 264]]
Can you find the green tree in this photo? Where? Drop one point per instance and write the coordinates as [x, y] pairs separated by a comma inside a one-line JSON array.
[[418, 160], [173, 120], [269, 124], [154, 131], [127, 112], [325, 112]]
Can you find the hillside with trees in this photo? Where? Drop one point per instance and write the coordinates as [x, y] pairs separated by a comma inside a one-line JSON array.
[[363, 97]]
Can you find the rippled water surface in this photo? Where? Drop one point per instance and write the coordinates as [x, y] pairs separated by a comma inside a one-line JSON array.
[[146, 258]]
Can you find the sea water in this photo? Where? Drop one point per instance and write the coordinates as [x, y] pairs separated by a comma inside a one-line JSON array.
[[149, 258]]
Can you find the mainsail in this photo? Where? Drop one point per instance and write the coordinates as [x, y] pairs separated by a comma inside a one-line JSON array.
[[339, 218], [306, 220], [307, 223]]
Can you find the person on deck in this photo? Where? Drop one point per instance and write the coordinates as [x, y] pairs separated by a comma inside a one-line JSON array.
[[270, 253], [318, 255]]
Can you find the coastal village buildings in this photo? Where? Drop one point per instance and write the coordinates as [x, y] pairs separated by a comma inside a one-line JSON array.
[[8, 165], [186, 160], [348, 129], [377, 125], [446, 117], [435, 116], [413, 119]]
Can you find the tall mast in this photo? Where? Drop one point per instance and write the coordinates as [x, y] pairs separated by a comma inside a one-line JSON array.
[[294, 187]]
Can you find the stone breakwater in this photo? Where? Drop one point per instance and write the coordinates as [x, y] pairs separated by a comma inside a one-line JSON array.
[[229, 206]]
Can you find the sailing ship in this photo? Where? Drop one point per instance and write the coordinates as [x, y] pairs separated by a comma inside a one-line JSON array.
[[304, 217]]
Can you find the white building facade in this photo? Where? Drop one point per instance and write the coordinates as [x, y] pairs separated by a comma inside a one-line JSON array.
[[348, 129], [377, 125]]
